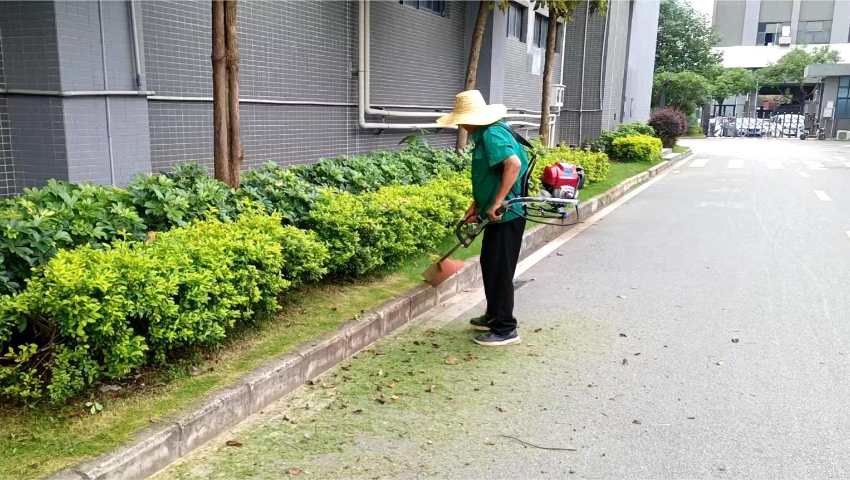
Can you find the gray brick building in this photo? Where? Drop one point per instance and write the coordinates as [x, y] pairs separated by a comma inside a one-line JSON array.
[[100, 91]]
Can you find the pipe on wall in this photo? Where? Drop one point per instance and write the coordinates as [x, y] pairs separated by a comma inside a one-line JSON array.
[[134, 36], [106, 98]]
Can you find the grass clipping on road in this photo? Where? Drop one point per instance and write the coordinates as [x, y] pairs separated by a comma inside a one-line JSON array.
[[36, 442], [383, 412]]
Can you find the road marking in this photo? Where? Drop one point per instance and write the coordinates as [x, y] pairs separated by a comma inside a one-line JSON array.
[[847, 164], [804, 174], [461, 303], [840, 158], [793, 162], [698, 163], [848, 233], [735, 164], [822, 196], [814, 165], [775, 165]]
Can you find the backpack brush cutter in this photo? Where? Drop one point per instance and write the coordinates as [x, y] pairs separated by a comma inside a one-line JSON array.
[[561, 184]]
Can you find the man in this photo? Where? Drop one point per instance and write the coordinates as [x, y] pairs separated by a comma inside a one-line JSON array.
[[498, 165]]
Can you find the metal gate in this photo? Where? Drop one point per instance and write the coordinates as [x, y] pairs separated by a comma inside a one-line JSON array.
[[780, 125]]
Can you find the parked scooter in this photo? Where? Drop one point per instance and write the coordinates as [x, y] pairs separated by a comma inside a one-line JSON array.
[[820, 132]]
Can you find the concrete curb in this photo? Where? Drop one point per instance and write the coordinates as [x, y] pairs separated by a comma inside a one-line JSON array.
[[154, 449]]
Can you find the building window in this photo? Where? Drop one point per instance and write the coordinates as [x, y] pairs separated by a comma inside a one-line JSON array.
[[437, 7], [516, 22], [769, 33], [814, 32], [842, 107], [541, 28]]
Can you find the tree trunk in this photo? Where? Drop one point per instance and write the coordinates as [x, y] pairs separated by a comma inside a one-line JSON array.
[[237, 154], [472, 63], [221, 147], [551, 36]]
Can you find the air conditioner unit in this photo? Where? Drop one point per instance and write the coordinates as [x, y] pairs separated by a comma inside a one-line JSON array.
[[785, 41], [842, 135], [556, 96]]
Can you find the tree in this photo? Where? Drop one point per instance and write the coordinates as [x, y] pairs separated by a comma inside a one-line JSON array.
[[227, 143], [558, 9], [732, 81], [472, 64], [221, 147], [685, 40], [237, 154], [790, 68], [685, 91]]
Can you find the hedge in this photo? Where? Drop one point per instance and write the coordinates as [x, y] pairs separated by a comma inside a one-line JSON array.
[[606, 139], [595, 164], [93, 313], [100, 313], [38, 224], [637, 148], [380, 229]]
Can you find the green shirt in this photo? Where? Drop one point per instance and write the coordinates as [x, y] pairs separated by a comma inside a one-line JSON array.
[[493, 145]]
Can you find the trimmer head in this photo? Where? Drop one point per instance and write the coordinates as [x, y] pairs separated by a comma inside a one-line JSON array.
[[440, 271]]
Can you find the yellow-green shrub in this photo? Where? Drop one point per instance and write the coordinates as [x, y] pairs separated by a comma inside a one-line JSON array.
[[379, 229], [101, 313], [595, 164], [637, 148]]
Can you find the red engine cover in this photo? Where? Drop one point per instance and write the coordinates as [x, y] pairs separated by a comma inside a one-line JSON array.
[[561, 175]]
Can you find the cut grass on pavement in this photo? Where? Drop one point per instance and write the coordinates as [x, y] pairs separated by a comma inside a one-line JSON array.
[[35, 442]]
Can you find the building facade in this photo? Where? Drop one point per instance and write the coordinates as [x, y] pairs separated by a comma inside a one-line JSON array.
[[754, 33], [101, 91]]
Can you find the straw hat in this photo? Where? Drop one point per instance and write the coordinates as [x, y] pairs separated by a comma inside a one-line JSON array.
[[471, 109]]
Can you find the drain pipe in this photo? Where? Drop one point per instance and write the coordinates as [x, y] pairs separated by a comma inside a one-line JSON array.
[[106, 98], [362, 69], [134, 32]]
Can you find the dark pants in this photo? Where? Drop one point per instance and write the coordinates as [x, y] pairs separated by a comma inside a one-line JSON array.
[[499, 254]]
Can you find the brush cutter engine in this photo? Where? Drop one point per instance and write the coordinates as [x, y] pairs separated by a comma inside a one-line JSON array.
[[562, 180]]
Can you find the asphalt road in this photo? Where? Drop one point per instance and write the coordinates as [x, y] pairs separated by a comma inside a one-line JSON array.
[[700, 330]]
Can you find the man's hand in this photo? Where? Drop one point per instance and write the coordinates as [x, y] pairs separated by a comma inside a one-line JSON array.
[[471, 215], [493, 215]]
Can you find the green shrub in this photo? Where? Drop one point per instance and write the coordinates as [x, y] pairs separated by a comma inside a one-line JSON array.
[[669, 125], [413, 165], [280, 190], [595, 164], [101, 313], [167, 200], [379, 229], [37, 224], [637, 148], [606, 140]]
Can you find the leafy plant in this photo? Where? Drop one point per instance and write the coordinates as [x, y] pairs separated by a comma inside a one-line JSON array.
[[37, 224], [375, 230], [101, 313], [637, 148], [595, 164], [280, 190], [669, 125], [167, 200], [94, 407], [606, 139]]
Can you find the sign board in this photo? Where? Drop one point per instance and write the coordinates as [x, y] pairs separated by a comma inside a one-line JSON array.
[[828, 109]]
